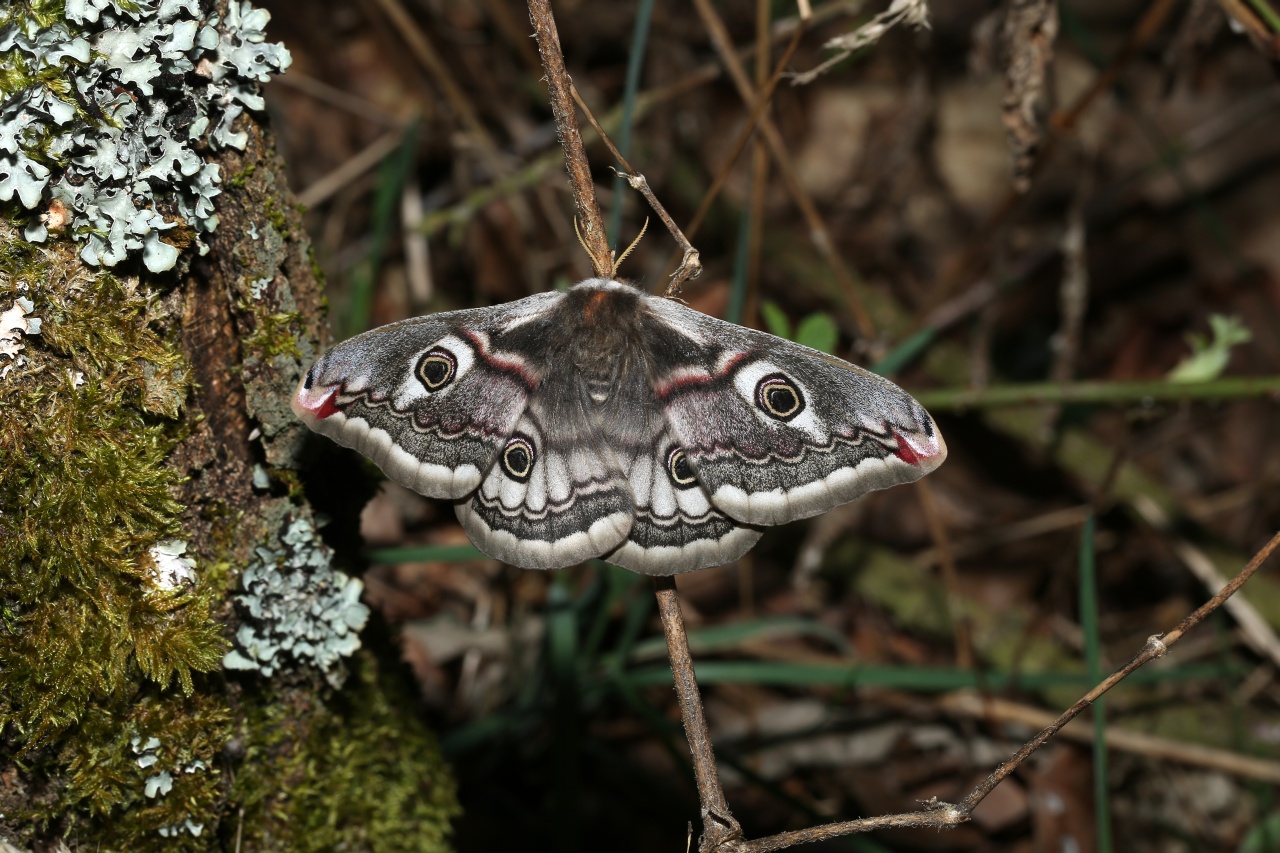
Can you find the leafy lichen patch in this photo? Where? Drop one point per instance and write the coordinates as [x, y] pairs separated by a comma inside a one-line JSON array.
[[298, 610], [105, 105]]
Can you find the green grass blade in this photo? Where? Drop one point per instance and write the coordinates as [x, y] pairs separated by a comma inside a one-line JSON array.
[[392, 178], [635, 63], [923, 679], [1039, 393], [1093, 661], [719, 638], [425, 554], [905, 352]]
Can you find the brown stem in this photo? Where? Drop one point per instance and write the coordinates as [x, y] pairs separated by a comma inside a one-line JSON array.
[[941, 815], [690, 265], [974, 260], [594, 238], [819, 234], [718, 825]]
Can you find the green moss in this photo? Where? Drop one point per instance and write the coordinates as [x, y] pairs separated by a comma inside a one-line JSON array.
[[277, 218], [98, 658], [317, 272], [94, 651], [275, 335], [239, 178], [106, 790], [364, 775]]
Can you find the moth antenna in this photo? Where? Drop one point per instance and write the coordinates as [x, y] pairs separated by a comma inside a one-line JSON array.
[[577, 232], [634, 243]]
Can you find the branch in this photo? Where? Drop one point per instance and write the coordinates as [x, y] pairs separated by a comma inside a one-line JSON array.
[[941, 815], [592, 233], [691, 265], [718, 825]]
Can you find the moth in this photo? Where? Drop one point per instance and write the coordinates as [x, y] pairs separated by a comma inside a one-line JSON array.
[[606, 422]]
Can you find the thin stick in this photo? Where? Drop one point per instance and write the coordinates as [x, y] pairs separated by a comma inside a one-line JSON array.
[[974, 260], [364, 160], [690, 264], [960, 627], [1156, 647], [819, 234], [530, 174], [941, 815], [763, 98], [594, 239], [969, 703], [718, 825]]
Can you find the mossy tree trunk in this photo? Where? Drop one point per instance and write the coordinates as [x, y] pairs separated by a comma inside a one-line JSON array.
[[155, 530]]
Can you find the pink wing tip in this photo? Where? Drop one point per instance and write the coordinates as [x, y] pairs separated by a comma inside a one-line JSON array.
[[925, 453], [314, 404]]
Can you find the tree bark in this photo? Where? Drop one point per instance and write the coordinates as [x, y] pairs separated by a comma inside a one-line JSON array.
[[154, 521]]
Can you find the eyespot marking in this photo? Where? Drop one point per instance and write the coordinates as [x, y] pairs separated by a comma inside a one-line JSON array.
[[779, 397], [678, 469], [518, 458], [437, 368]]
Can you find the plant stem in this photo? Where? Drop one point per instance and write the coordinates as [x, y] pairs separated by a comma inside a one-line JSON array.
[[593, 236], [718, 825]]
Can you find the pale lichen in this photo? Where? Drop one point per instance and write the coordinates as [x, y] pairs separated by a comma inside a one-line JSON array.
[[298, 610], [171, 569], [14, 323], [105, 109]]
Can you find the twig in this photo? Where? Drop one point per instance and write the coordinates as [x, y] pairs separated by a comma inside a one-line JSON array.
[[532, 173], [323, 92], [718, 825], [818, 232], [942, 815], [690, 265], [1257, 633], [1224, 125], [425, 52], [1073, 298], [1049, 522], [417, 249], [960, 626], [1157, 646], [353, 168], [972, 262], [970, 703], [763, 98], [594, 239]]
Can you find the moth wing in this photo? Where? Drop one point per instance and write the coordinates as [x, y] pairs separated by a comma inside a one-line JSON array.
[[676, 527], [777, 431], [553, 498], [430, 400]]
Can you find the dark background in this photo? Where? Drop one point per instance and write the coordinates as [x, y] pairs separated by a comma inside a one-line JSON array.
[[1051, 205]]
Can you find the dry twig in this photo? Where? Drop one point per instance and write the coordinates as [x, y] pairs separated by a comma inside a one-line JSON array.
[[594, 238], [690, 264]]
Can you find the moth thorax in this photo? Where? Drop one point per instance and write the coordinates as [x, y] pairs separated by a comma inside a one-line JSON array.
[[601, 373]]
